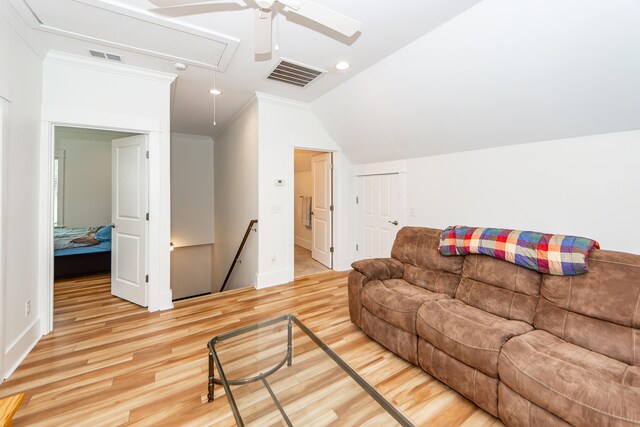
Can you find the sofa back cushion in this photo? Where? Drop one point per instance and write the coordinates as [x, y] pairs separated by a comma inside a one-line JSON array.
[[417, 248], [499, 287], [599, 310]]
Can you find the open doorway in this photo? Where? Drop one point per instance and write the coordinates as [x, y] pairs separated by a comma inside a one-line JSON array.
[[313, 212], [99, 207]]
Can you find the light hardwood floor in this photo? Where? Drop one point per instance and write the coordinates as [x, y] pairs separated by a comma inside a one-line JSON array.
[[110, 363], [304, 265]]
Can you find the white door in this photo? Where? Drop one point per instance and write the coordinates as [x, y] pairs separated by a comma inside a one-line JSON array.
[[379, 214], [321, 208], [4, 120], [128, 216]]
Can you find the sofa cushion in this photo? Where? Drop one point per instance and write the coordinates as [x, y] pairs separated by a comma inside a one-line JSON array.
[[417, 248], [434, 280], [471, 335], [396, 301], [481, 389], [572, 382], [499, 287], [516, 411], [599, 310], [401, 342], [379, 268]]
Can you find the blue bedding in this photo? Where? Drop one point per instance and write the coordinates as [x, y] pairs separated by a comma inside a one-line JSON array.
[[102, 247], [63, 237]]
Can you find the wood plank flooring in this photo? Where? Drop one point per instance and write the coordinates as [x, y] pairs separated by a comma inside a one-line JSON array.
[[109, 362]]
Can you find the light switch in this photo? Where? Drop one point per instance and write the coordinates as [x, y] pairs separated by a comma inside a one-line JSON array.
[[277, 209], [279, 182]]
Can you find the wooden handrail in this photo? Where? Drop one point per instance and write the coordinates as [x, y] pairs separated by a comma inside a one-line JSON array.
[[237, 257]]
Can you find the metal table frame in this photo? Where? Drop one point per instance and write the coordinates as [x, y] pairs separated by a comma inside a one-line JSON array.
[[288, 360]]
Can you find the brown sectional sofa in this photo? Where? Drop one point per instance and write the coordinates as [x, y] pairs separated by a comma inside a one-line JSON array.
[[529, 348]]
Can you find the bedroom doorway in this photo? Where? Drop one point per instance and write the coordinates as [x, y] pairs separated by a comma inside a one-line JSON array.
[[95, 174], [313, 212]]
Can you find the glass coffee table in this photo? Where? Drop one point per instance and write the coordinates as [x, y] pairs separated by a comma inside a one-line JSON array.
[[278, 372]]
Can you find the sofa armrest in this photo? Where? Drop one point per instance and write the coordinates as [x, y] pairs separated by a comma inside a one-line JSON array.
[[379, 268], [365, 271]]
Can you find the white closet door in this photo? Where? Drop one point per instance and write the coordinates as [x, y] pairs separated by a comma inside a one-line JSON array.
[[379, 214]]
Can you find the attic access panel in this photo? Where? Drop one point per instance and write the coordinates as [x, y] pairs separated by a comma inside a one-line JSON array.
[[115, 24]]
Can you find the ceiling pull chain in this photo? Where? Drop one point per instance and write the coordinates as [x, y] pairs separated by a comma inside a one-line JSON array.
[[277, 25], [215, 87]]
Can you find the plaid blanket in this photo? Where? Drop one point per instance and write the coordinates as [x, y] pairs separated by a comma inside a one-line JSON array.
[[547, 253]]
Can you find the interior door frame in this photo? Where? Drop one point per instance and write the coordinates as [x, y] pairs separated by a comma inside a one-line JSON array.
[[4, 137], [333, 198], [158, 237]]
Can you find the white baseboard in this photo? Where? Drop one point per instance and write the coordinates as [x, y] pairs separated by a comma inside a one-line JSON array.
[[164, 302], [20, 348], [305, 243], [274, 278], [342, 264]]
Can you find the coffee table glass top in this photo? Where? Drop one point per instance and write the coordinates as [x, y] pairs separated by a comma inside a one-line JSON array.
[[278, 372]]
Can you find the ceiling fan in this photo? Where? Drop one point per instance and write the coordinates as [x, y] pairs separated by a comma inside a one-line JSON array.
[[263, 13]]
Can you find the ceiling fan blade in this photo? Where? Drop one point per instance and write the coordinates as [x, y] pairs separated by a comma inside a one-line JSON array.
[[173, 3], [262, 35], [327, 17], [291, 4]]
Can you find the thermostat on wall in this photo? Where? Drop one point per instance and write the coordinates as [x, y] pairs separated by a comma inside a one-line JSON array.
[[279, 182]]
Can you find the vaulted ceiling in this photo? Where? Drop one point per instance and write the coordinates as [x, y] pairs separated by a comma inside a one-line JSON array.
[[427, 76], [205, 34], [503, 72]]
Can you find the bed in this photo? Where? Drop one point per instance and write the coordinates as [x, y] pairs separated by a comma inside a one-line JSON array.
[[81, 258]]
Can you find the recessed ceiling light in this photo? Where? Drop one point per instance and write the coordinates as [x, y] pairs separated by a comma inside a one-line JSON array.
[[215, 92], [343, 65], [180, 66]]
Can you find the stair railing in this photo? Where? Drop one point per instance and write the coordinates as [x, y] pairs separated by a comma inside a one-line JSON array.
[[236, 259]]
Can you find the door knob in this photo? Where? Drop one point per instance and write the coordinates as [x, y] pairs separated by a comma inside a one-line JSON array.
[[393, 222], [113, 226]]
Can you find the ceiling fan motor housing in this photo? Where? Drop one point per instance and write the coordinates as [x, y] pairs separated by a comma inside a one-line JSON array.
[[265, 4]]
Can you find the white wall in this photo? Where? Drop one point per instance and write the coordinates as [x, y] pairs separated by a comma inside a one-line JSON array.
[[585, 186], [500, 73], [236, 199], [87, 176], [191, 190], [302, 187], [191, 214], [21, 87], [283, 125], [191, 271], [92, 93]]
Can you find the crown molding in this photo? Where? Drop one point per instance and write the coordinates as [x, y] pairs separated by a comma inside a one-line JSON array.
[[278, 100], [57, 57], [13, 11], [193, 137]]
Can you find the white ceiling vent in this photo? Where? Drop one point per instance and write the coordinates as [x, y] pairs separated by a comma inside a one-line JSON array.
[[105, 55], [293, 73]]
